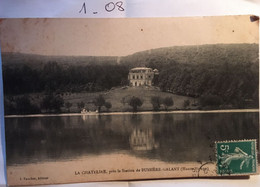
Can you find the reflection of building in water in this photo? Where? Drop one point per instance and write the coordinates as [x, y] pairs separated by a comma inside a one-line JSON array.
[[142, 140], [141, 76], [88, 117]]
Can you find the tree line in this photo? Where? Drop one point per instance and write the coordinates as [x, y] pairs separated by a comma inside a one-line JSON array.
[[52, 103], [53, 77], [215, 84]]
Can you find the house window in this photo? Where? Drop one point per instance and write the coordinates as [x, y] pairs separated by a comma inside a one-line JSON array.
[[141, 77], [133, 77], [137, 77]]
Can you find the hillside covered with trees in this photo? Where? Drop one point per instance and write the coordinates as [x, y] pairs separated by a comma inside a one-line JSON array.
[[221, 75]]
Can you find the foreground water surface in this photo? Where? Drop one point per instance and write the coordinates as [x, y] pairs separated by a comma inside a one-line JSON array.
[[164, 137]]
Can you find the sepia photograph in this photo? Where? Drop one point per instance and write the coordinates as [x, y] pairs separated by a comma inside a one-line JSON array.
[[129, 98]]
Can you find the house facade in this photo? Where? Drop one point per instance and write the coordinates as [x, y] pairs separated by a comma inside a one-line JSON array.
[[141, 76]]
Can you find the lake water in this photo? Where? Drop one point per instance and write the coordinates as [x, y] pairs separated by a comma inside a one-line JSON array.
[[166, 137]]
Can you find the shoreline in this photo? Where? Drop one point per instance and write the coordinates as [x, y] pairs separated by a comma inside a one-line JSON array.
[[130, 113]]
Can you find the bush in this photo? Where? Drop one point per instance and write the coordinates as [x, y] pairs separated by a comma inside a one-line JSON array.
[[81, 105], [210, 100], [168, 101], [68, 105], [186, 103], [23, 105], [52, 103], [108, 105]]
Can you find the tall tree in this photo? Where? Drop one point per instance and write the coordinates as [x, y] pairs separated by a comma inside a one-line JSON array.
[[135, 102], [167, 102], [99, 102], [156, 101]]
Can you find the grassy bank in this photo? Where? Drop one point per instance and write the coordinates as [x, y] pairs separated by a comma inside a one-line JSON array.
[[118, 97]]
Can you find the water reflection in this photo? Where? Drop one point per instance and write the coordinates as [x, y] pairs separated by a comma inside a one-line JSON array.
[[87, 117], [142, 140], [166, 137]]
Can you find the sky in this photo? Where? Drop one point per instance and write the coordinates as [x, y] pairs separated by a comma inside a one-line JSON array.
[[120, 36]]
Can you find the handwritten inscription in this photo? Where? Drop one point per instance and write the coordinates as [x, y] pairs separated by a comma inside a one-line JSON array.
[[83, 8], [109, 7]]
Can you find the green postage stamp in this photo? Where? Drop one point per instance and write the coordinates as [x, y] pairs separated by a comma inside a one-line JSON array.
[[236, 157]]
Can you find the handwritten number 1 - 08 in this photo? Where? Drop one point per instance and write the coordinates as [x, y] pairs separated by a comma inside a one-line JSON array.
[[109, 7]]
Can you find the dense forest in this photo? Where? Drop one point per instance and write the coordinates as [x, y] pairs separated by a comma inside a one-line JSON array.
[[53, 77], [225, 84], [221, 76]]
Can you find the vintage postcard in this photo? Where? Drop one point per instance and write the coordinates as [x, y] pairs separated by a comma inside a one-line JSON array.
[[125, 99]]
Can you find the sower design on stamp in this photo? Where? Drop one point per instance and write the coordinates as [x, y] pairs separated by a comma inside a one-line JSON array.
[[238, 154], [236, 157]]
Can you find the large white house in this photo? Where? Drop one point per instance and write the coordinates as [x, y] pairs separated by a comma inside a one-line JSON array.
[[141, 76]]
